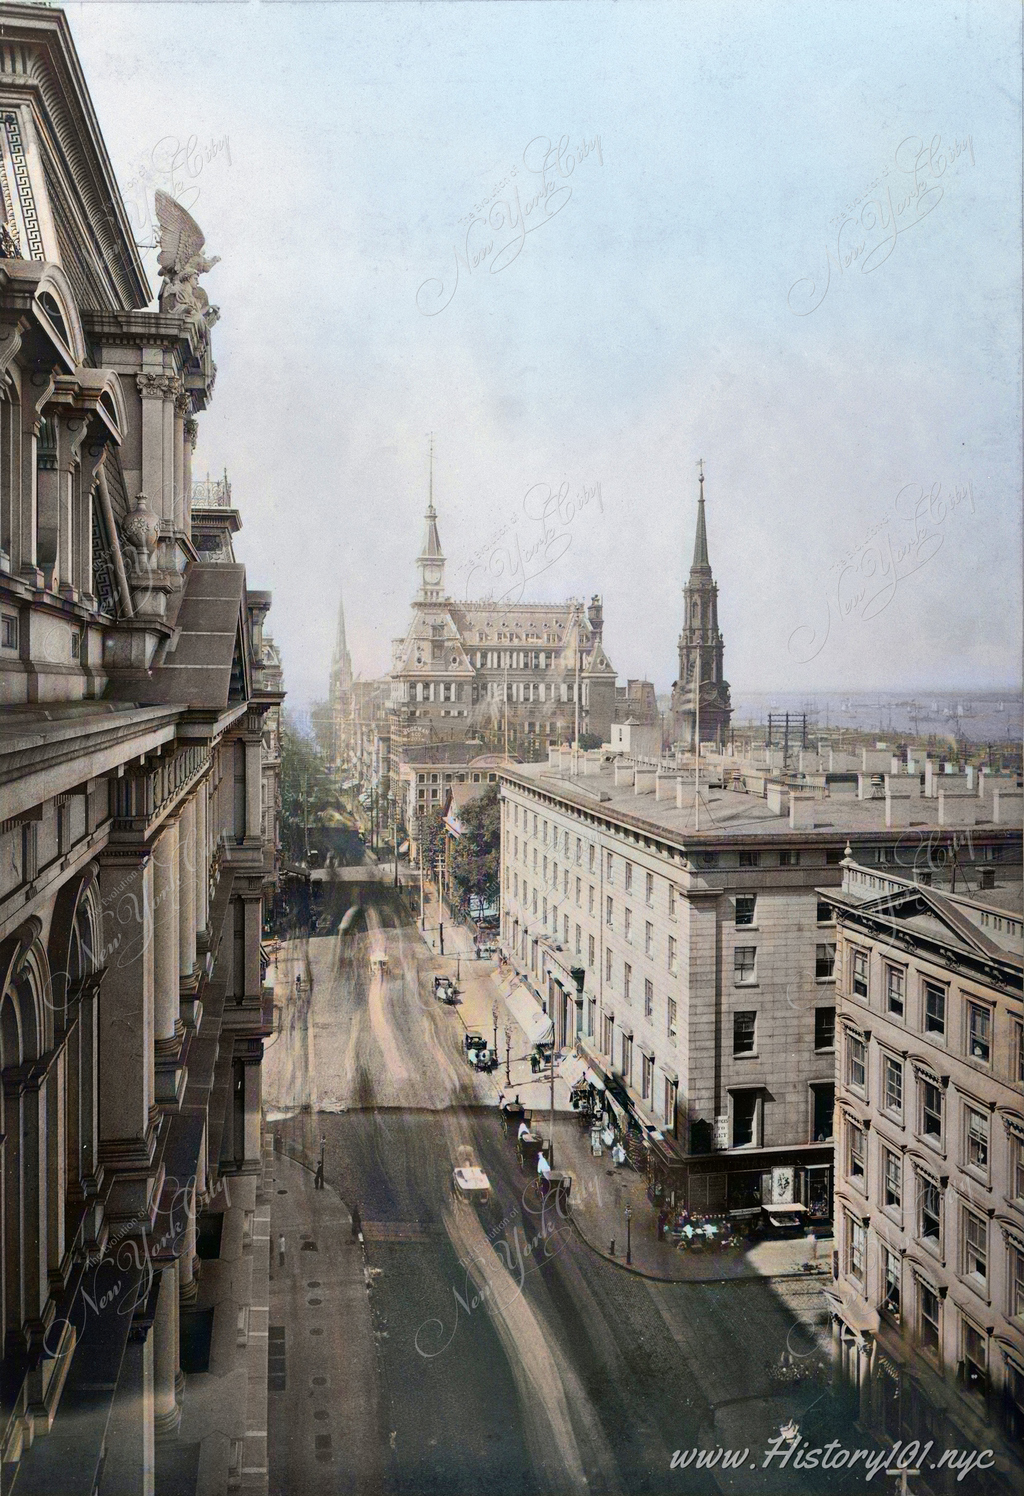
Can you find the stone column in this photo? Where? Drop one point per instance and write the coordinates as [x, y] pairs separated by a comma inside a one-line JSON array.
[[187, 894], [129, 1468], [188, 1288], [126, 1051], [250, 1142], [254, 789], [166, 918], [253, 916], [202, 859], [166, 1413]]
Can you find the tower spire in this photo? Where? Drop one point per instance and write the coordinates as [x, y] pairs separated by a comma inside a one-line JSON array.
[[700, 544], [431, 558]]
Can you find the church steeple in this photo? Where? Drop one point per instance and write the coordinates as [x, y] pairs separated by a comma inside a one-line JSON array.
[[701, 649], [431, 558], [700, 544]]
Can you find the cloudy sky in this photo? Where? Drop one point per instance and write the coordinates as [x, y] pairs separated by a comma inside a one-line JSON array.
[[586, 245]]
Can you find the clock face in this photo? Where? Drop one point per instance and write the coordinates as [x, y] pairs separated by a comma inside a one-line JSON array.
[[432, 575]]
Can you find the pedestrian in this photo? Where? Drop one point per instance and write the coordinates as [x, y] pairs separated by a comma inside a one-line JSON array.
[[280, 1250], [524, 1131], [662, 1220], [357, 1224], [298, 982], [318, 1177]]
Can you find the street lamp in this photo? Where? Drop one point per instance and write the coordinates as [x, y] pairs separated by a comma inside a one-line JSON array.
[[494, 1015], [629, 1239], [508, 1052]]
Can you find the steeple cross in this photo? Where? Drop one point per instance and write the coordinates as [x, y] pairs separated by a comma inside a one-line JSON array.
[[700, 464]]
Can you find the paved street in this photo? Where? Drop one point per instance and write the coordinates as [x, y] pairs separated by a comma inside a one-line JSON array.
[[512, 1358]]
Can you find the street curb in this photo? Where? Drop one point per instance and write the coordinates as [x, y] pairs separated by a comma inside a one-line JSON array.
[[658, 1278]]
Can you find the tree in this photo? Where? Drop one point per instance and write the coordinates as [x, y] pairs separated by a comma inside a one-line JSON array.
[[475, 855], [306, 790]]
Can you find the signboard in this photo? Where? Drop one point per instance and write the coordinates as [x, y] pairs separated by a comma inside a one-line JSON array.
[[722, 1131]]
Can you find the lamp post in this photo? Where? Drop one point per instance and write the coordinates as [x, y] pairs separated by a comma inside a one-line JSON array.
[[629, 1238], [508, 1054], [494, 1016]]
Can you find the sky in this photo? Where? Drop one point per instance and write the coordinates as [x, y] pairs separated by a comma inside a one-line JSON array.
[[586, 246]]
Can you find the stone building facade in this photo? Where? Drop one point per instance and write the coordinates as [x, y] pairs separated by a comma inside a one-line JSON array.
[[703, 955], [930, 1164], [137, 688], [499, 669]]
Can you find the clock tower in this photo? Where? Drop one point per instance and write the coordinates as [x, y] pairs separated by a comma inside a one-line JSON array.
[[431, 558]]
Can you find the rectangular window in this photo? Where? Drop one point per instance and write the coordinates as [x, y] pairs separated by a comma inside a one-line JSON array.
[[627, 1058], [593, 857], [629, 877], [647, 1076], [790, 858], [627, 980], [671, 901], [744, 1118], [977, 1138], [894, 976], [860, 973], [707, 859], [975, 1358], [893, 1183], [833, 856], [590, 899], [824, 913], [931, 1110], [672, 1017], [608, 910], [673, 963], [892, 1084], [746, 903], [544, 869], [591, 1010], [590, 951], [670, 1104], [608, 1030], [628, 924], [76, 644], [10, 631], [930, 1210], [856, 1061], [1016, 1169], [579, 941], [579, 893], [934, 1009], [824, 1028], [607, 965], [649, 888], [975, 1246], [856, 1160], [750, 859], [744, 964], [891, 1283], [1016, 1284], [743, 1032], [979, 1030], [928, 1323], [648, 939], [579, 851], [855, 1249], [648, 997], [608, 868], [565, 929], [825, 961]]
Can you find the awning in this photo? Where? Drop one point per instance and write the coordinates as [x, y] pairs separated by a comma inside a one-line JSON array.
[[574, 1068], [786, 1209], [535, 1023]]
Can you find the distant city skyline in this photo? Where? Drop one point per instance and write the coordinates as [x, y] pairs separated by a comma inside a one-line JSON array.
[[740, 233]]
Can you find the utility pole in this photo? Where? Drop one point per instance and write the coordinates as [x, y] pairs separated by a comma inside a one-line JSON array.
[[396, 850], [551, 1153], [423, 917], [505, 694]]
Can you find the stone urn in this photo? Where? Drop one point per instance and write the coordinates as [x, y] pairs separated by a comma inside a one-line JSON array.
[[140, 528]]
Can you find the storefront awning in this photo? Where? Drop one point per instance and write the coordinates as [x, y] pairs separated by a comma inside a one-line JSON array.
[[534, 1022], [573, 1068]]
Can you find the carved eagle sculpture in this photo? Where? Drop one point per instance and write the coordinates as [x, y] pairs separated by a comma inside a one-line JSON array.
[[182, 262]]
